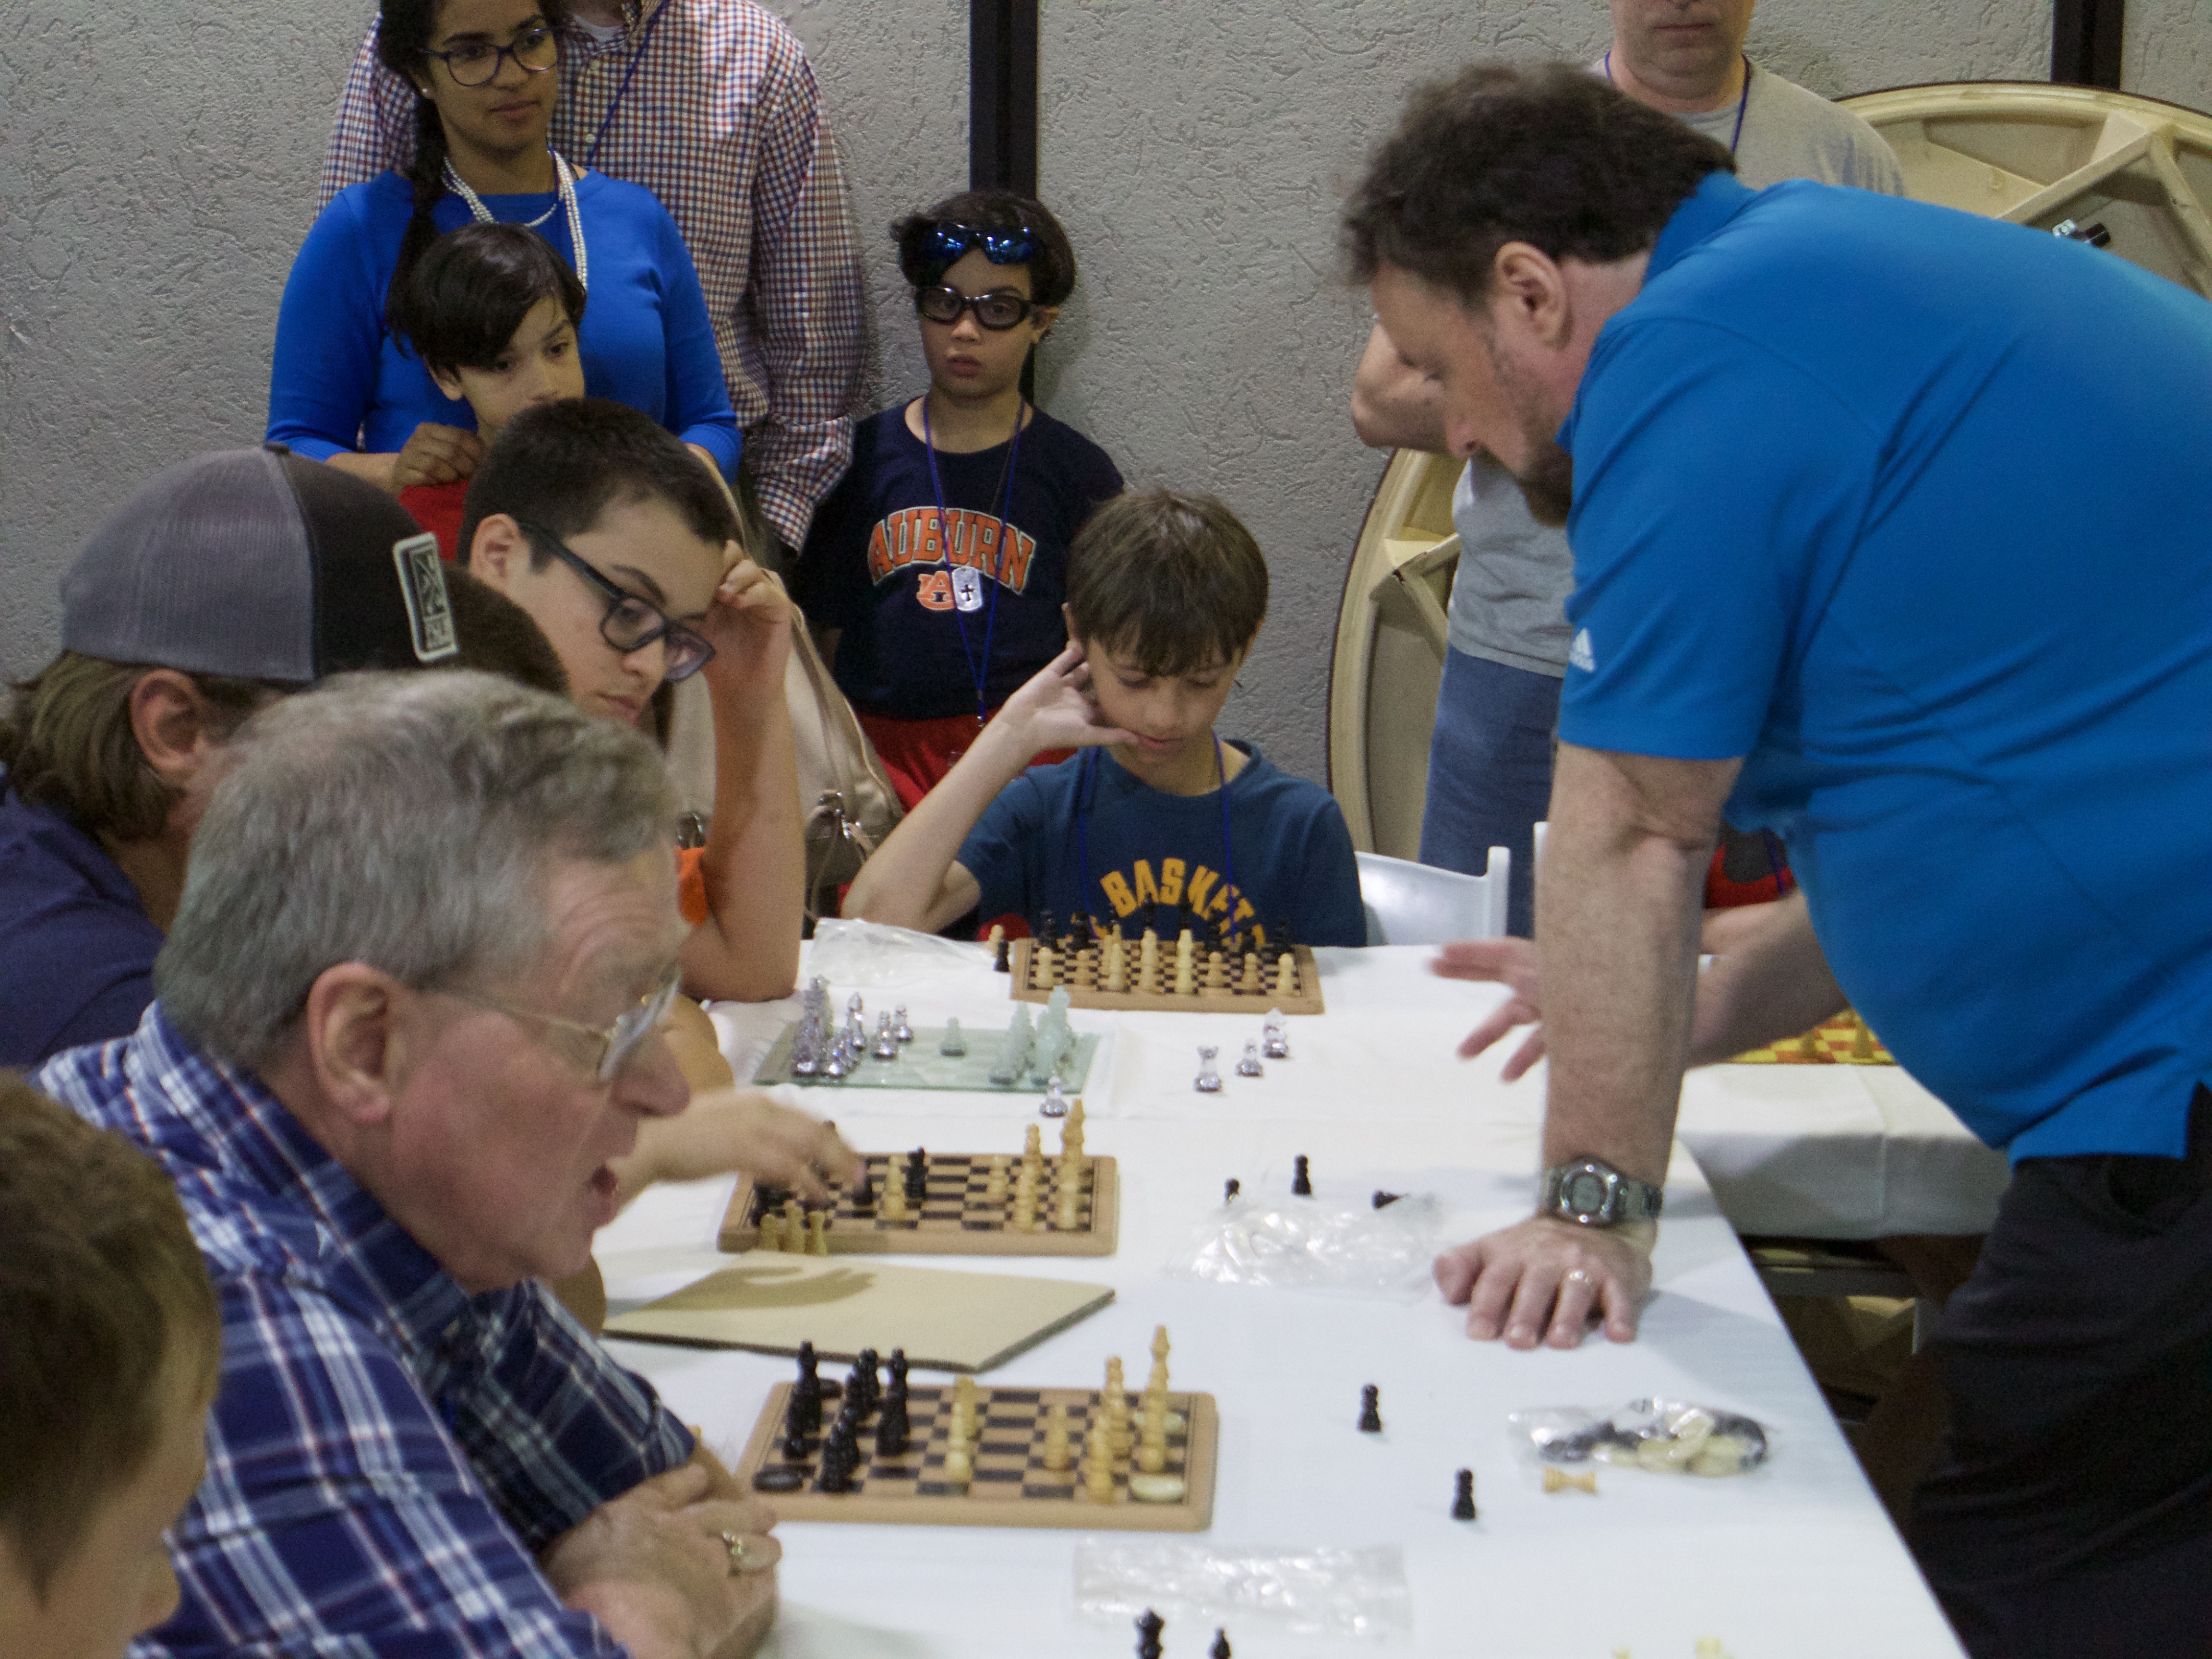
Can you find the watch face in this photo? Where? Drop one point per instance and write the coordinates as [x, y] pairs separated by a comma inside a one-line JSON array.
[[1585, 1192]]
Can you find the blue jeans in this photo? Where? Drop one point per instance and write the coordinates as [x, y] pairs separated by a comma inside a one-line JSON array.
[[1490, 773]]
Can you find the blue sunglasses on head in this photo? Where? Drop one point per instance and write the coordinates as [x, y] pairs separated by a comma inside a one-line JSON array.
[[948, 241]]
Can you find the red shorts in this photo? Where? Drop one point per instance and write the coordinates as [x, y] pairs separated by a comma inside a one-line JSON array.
[[917, 754]]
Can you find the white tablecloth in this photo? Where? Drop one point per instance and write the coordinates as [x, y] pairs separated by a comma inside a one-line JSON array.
[[1796, 1559]]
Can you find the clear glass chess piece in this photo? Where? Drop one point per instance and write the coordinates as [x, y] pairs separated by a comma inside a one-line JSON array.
[[1274, 1038], [887, 1042], [900, 1028], [1249, 1065], [1055, 1101], [1209, 1075], [955, 1043]]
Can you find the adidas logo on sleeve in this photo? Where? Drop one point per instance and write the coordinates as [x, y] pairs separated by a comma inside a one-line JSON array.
[[1579, 654]]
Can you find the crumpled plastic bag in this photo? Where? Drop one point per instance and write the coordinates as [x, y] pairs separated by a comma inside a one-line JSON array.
[[1313, 1244], [1665, 1437], [1300, 1592], [868, 955]]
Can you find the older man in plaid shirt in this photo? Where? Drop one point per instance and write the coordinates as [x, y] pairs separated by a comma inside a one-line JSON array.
[[710, 105], [409, 1011]]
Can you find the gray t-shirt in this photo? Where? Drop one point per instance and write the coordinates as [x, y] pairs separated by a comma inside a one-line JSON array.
[[1508, 599]]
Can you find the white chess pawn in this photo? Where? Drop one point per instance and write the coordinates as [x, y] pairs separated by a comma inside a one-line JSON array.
[[1249, 1065], [954, 1043], [887, 1046], [1055, 1100], [900, 1028], [1209, 1078], [1275, 1040]]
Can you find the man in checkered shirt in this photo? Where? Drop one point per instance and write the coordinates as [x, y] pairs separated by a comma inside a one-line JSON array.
[[710, 105], [388, 1078]]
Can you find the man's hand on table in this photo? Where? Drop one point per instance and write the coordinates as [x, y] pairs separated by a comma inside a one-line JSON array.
[[1542, 1280], [727, 1129], [655, 1568]]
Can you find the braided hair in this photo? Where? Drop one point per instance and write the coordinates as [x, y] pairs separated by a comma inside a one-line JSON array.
[[404, 32]]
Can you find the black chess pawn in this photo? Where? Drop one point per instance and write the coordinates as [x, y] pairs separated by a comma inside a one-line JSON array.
[[806, 1393], [898, 1375], [1002, 959], [1148, 1635], [864, 1195], [892, 1430], [864, 1373], [796, 1442], [1370, 1410], [1301, 1181], [1463, 1496], [856, 1395], [917, 1175], [1230, 1189], [1220, 1648]]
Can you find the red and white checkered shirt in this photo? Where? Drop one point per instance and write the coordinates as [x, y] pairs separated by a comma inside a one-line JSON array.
[[722, 121]]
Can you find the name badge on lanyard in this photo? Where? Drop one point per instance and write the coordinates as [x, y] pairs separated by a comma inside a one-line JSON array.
[[967, 588]]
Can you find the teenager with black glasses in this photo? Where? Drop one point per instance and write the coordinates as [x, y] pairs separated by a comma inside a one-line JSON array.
[[936, 570]]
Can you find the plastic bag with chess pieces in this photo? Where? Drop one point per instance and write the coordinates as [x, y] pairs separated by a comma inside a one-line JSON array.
[[1568, 1444]]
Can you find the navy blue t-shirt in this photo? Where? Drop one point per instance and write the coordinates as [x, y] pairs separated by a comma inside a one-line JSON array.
[[1153, 858], [874, 566], [76, 947]]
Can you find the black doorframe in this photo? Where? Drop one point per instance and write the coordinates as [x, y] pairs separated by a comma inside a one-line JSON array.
[[1002, 95], [2085, 42]]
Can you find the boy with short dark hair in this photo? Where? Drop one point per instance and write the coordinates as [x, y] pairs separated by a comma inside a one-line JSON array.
[[492, 311], [1169, 826], [935, 570], [110, 1354], [622, 549]]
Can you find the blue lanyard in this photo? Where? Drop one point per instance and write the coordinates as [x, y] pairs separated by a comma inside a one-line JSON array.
[[979, 672], [1086, 789], [1742, 104], [591, 155]]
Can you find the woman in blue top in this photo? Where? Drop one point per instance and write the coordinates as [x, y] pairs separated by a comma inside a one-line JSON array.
[[345, 391]]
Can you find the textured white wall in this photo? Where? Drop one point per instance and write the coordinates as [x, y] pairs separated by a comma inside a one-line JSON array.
[[2166, 51], [157, 169]]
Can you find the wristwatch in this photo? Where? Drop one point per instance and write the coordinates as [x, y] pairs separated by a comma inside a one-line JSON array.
[[1593, 1194]]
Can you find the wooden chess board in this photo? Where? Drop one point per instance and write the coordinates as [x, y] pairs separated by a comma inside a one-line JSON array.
[[1010, 1486], [955, 1218], [1244, 988], [1843, 1041]]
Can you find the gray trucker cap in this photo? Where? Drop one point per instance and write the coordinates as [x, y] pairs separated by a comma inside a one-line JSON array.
[[261, 564]]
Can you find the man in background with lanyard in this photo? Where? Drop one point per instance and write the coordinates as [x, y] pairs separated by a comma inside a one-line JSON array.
[[1490, 763], [760, 199]]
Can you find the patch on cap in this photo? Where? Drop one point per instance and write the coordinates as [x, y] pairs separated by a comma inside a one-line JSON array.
[[423, 587]]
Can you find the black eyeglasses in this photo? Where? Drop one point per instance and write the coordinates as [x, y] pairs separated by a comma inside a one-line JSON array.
[[947, 240], [631, 623], [996, 311], [537, 49]]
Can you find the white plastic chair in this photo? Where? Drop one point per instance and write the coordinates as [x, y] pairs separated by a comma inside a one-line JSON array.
[[1409, 904]]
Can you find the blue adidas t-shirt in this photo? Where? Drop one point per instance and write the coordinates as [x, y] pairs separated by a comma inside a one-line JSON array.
[[1088, 837], [76, 947], [917, 624], [1909, 509]]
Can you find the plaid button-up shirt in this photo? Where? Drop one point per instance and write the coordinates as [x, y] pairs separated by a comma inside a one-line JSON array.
[[387, 1450], [722, 121]]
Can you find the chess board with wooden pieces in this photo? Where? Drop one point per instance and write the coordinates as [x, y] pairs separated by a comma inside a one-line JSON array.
[[1148, 980], [1004, 1476], [1843, 1041], [969, 1207]]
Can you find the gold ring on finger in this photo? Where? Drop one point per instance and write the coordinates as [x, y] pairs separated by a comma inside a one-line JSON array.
[[736, 1547]]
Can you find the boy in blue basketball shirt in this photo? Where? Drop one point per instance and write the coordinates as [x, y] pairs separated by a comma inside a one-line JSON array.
[[1156, 821], [935, 570]]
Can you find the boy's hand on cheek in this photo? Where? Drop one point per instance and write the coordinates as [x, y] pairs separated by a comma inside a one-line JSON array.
[[749, 623], [1055, 709]]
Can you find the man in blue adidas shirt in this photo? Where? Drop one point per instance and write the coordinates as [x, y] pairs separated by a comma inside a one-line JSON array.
[[1888, 535]]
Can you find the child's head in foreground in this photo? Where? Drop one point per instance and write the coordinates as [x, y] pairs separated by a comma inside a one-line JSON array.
[[1164, 590], [110, 1353], [493, 311]]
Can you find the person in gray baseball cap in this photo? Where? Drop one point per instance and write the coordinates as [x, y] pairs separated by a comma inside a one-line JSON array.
[[225, 583]]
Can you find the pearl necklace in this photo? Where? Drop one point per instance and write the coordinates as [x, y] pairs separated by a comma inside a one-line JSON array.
[[567, 193]]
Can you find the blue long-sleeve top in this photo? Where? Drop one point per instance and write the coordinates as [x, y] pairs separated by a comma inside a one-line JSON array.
[[341, 382]]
